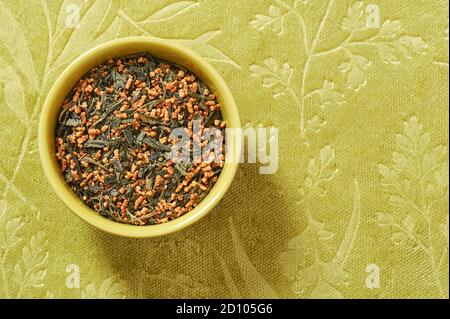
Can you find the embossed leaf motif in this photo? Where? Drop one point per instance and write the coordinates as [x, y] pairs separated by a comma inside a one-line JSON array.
[[33, 254], [200, 43], [320, 171], [351, 231], [13, 38], [83, 36], [444, 228], [329, 95], [2, 207], [187, 286], [315, 124], [403, 230], [70, 18], [324, 290], [103, 25], [255, 284], [208, 51], [354, 70], [417, 177], [229, 280], [390, 30], [273, 76], [332, 272], [438, 183], [12, 89], [355, 18], [415, 160], [273, 20], [17, 275], [397, 201], [171, 11], [26, 270], [412, 45], [406, 231], [34, 257], [305, 278], [11, 236], [89, 293], [385, 219], [179, 285], [391, 44], [307, 240], [319, 279], [307, 243], [109, 289], [399, 238], [408, 223], [411, 147], [387, 53]]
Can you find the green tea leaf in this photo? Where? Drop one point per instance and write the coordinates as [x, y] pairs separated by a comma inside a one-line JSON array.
[[95, 144], [156, 144]]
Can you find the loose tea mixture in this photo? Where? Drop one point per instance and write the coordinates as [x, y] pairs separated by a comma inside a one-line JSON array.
[[114, 140]]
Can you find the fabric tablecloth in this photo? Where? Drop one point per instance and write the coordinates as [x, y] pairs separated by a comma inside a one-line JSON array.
[[358, 207]]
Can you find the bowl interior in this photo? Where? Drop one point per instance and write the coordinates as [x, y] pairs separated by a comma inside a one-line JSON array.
[[161, 49]]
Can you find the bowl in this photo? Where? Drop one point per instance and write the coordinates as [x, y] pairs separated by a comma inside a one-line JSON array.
[[162, 49]]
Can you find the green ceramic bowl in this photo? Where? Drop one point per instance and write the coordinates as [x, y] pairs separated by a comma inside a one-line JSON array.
[[162, 49]]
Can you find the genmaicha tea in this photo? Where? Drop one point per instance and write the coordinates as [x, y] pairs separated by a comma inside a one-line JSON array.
[[140, 140]]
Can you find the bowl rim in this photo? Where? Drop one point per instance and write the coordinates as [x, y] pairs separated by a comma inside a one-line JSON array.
[[47, 128]]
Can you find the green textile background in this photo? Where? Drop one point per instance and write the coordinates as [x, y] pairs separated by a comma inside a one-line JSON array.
[[358, 207]]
